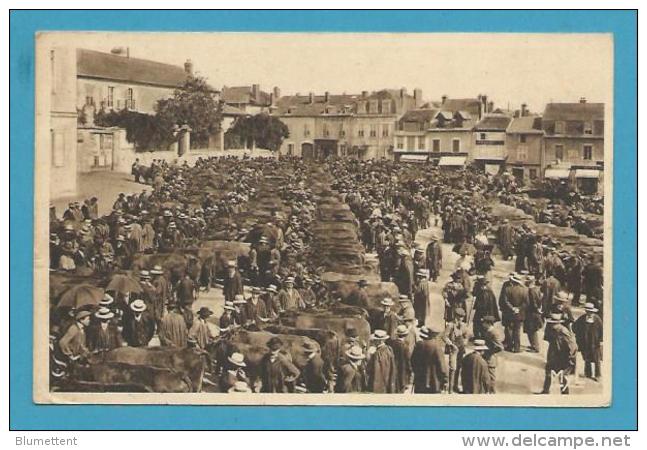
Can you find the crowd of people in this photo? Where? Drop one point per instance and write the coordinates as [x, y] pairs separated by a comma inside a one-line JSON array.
[[218, 198]]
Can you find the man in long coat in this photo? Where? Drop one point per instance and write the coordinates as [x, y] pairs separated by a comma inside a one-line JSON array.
[[550, 287], [484, 305], [404, 275], [588, 331], [561, 356], [494, 346], [103, 335], [388, 320], [381, 365], [421, 297], [475, 374], [402, 354], [506, 240], [289, 297], [428, 362], [312, 374], [73, 344], [513, 302], [139, 326], [534, 316], [277, 372], [173, 330], [351, 376], [233, 282]]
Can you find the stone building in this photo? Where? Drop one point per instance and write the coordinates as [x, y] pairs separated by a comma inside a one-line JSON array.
[[351, 125], [574, 144], [524, 146], [489, 148], [249, 99]]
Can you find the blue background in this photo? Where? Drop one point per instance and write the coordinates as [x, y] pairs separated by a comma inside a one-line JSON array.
[[26, 415]]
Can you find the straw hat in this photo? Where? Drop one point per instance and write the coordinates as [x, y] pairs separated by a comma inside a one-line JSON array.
[[355, 352], [402, 330], [590, 307], [380, 335], [229, 306], [237, 359], [561, 296], [239, 386], [387, 301], [104, 314], [138, 305], [479, 344], [239, 299]]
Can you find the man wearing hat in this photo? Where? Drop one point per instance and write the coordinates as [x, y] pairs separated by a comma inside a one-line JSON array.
[[506, 239], [513, 302], [227, 320], [360, 296], [534, 320], [475, 374], [255, 309], [352, 376], [272, 303], [494, 346], [388, 320], [402, 351], [307, 294], [173, 330], [103, 335], [380, 366], [485, 304], [139, 326], [404, 276], [289, 297], [278, 374], [235, 372], [313, 376], [550, 287], [421, 296], [73, 344], [434, 258], [428, 363], [588, 331], [455, 337], [561, 356], [233, 282], [200, 331], [455, 296]]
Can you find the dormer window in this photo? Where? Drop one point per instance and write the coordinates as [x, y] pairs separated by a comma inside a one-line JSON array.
[[559, 127], [588, 128]]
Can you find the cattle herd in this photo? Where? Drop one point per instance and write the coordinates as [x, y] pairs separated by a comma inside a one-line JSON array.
[[279, 275]]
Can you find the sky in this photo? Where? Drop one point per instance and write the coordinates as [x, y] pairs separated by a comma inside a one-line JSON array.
[[510, 68]]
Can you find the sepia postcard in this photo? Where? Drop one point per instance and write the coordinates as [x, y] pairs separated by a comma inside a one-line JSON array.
[[323, 219]]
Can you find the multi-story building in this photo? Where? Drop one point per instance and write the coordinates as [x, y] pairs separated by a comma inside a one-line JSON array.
[[489, 148], [357, 125], [62, 138], [574, 143], [114, 81], [249, 99], [524, 146]]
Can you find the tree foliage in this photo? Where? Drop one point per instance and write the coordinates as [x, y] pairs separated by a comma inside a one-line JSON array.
[[144, 131], [266, 131], [194, 105]]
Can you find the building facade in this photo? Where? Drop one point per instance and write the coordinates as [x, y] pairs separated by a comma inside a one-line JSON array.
[[359, 126], [250, 99], [574, 144], [62, 138], [524, 148], [489, 148]]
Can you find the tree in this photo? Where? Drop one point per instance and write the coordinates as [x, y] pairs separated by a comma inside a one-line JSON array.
[[145, 131], [195, 105], [262, 129]]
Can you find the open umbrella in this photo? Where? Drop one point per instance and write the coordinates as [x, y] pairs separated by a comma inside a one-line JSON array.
[[122, 284], [81, 295]]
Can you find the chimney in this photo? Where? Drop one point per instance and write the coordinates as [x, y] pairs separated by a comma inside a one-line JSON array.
[[490, 106], [403, 92], [326, 96], [364, 94], [417, 96], [582, 99], [311, 96], [188, 67], [524, 110], [256, 89], [443, 99], [277, 93]]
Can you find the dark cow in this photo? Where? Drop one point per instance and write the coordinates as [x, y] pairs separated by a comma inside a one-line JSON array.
[[155, 379], [188, 362], [327, 321], [327, 339]]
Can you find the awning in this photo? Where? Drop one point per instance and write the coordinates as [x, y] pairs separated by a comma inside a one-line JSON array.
[[414, 158], [450, 161], [557, 173], [490, 158], [587, 173]]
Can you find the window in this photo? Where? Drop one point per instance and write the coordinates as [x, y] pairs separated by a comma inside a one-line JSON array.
[[373, 130], [386, 106], [111, 96], [105, 141], [385, 130], [411, 144], [306, 130], [588, 128], [342, 150], [373, 105], [436, 145], [130, 101], [532, 173], [456, 145], [290, 149], [58, 149], [342, 132], [129, 94], [360, 132], [588, 152], [522, 138], [422, 144], [559, 151], [559, 127], [400, 143], [483, 136], [89, 100], [522, 153]]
